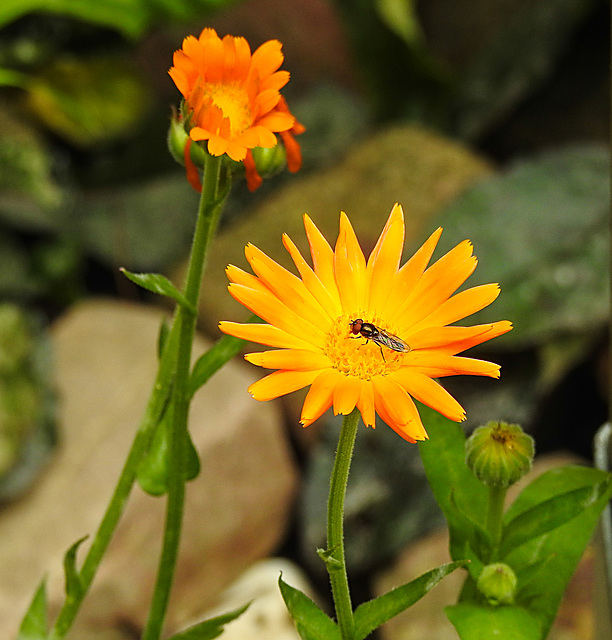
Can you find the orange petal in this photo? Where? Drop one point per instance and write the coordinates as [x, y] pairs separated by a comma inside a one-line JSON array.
[[349, 267], [267, 58], [365, 404], [397, 409], [270, 309], [322, 256], [346, 395], [264, 334], [453, 339], [276, 121], [409, 275], [384, 261], [286, 287], [293, 151], [319, 397], [429, 392], [438, 365], [290, 359], [239, 276], [310, 279], [461, 305], [280, 383], [473, 336], [436, 285]]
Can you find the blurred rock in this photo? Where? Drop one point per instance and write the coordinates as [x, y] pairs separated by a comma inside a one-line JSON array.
[[267, 617], [236, 510]]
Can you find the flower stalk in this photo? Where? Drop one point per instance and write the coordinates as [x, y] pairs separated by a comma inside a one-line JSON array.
[[495, 513], [185, 320], [336, 563]]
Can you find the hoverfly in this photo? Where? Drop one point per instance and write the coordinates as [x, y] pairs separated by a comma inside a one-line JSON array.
[[380, 337]]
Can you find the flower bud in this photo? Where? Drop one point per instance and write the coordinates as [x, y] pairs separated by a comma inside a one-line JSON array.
[[497, 583], [269, 161], [499, 454], [178, 139]]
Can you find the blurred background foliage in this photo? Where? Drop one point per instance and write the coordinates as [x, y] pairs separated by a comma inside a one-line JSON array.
[[522, 86]]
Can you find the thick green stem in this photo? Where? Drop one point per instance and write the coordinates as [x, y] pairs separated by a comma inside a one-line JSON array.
[[336, 563], [495, 513], [206, 225]]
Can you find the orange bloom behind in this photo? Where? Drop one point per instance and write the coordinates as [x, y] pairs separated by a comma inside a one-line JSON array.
[[312, 321], [233, 98]]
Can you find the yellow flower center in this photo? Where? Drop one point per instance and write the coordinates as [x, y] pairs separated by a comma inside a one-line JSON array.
[[357, 356], [233, 101]]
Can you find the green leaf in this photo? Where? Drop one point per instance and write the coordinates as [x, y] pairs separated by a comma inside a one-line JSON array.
[[152, 473], [129, 17], [457, 491], [210, 362], [557, 552], [34, 623], [310, 621], [550, 514], [400, 16], [483, 623], [74, 587], [89, 101], [209, 629], [157, 283], [371, 615]]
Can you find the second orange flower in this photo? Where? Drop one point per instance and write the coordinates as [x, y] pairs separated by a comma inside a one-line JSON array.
[[233, 97]]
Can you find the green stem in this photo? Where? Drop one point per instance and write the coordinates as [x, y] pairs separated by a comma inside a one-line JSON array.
[[336, 563], [123, 488], [495, 513], [206, 225]]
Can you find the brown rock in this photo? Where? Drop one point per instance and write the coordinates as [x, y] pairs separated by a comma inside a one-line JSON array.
[[267, 617], [236, 509]]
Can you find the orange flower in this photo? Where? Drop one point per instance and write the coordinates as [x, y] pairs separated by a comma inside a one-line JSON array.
[[233, 97], [363, 334]]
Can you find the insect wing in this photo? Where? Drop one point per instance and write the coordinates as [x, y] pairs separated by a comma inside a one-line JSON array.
[[386, 339]]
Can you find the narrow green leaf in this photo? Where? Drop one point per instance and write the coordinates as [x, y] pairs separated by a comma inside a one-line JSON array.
[[550, 514], [310, 621], [476, 535], [483, 623], [443, 457], [209, 629], [370, 615], [157, 283], [10, 78], [34, 623], [544, 565], [401, 17], [74, 587], [210, 362]]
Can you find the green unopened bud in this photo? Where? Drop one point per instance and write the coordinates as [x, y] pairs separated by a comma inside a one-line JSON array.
[[269, 161], [499, 454], [178, 139], [497, 583]]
